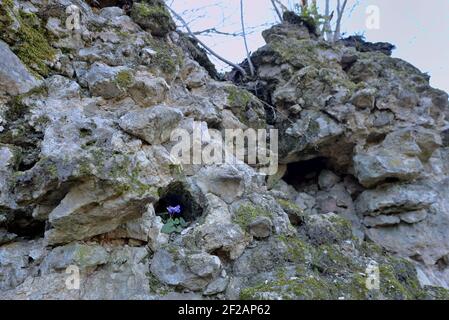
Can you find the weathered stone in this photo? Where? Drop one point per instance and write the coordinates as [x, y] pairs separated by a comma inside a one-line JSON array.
[[203, 264], [364, 98], [372, 168], [225, 181], [395, 199], [177, 268], [229, 239], [261, 227], [18, 260], [381, 221], [14, 76], [81, 255], [91, 209], [413, 216], [306, 203], [328, 228], [6, 236], [217, 286], [327, 179], [154, 125], [108, 82], [153, 16], [146, 90], [86, 156]]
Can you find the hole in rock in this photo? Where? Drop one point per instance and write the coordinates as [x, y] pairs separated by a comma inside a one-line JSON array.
[[222, 255], [375, 138], [442, 263], [25, 226], [124, 4], [177, 194], [300, 173]]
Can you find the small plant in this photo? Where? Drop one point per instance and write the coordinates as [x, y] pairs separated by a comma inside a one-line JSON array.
[[175, 222]]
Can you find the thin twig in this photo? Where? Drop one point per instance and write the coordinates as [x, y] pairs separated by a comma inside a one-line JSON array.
[[248, 55], [215, 31], [186, 26], [340, 11], [277, 10]]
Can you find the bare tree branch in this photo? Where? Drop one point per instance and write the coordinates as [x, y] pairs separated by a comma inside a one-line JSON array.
[[340, 11], [327, 28], [277, 10], [215, 31], [248, 55], [186, 26], [281, 5]]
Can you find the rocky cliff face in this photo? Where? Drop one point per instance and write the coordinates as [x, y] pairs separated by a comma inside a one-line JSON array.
[[86, 171]]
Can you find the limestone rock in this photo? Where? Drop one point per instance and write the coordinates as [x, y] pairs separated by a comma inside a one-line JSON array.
[[91, 209], [381, 221], [153, 16], [377, 167], [14, 76], [327, 179], [108, 82], [80, 255], [178, 268], [261, 227], [229, 239], [154, 125], [395, 199], [146, 90]]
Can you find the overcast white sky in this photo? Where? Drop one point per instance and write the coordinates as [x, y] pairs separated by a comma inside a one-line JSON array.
[[419, 29]]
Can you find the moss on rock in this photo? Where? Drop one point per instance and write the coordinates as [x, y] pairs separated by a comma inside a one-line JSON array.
[[29, 41], [124, 79], [152, 15], [167, 58], [247, 213]]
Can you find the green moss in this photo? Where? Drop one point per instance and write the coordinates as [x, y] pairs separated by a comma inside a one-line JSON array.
[[302, 288], [33, 47], [436, 293], [30, 41], [341, 223], [157, 286], [328, 259], [124, 79], [6, 18], [151, 11], [17, 109], [52, 170], [167, 58], [298, 251], [399, 281], [238, 97], [248, 213], [246, 107], [291, 208]]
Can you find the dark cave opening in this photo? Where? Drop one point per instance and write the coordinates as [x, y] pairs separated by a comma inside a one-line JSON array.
[[24, 225], [124, 4], [177, 194], [302, 172]]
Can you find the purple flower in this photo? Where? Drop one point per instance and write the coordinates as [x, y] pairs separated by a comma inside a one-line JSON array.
[[172, 211]]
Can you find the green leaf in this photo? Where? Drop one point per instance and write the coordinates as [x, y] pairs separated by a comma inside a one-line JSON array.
[[176, 221], [169, 227], [178, 229], [182, 222]]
